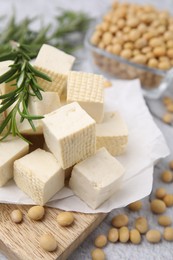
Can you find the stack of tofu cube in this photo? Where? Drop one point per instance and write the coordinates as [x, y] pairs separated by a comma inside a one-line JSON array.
[[81, 140]]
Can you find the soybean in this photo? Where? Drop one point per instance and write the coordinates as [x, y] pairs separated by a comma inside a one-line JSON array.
[[16, 216], [164, 220], [65, 219], [160, 193], [168, 234], [36, 212], [98, 254], [168, 199], [100, 241], [124, 234], [157, 206], [48, 242], [141, 224], [153, 236], [135, 206], [167, 118], [135, 236], [120, 220], [167, 176], [113, 235]]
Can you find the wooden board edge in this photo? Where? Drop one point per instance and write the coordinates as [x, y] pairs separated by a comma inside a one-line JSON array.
[[81, 238], [7, 252]]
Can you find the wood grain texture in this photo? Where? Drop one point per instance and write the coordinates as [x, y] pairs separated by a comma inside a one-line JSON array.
[[21, 241]]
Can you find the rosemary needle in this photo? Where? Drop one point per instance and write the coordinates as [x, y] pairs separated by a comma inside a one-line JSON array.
[[25, 77]]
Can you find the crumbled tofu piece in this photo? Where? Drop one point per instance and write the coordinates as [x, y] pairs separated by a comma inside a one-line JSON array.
[[56, 64], [49, 103], [11, 149], [87, 89], [69, 134], [39, 175], [112, 133], [97, 178], [6, 87]]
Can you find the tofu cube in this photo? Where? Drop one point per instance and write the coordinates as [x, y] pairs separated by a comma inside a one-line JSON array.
[[49, 103], [112, 133], [97, 178], [56, 64], [6, 87], [69, 133], [87, 89], [11, 149], [39, 175]]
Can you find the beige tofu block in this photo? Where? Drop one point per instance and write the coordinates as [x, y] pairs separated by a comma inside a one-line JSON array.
[[56, 64], [39, 175], [97, 178], [69, 134], [49, 103], [6, 87], [11, 149], [112, 133], [88, 90]]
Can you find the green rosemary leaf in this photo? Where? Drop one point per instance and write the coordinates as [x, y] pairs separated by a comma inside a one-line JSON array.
[[6, 100], [13, 123], [39, 73], [15, 76], [21, 78], [15, 65], [42, 35], [37, 85], [10, 94], [23, 66], [7, 56], [5, 123], [36, 91], [27, 57], [6, 75], [31, 117], [32, 125], [7, 105]]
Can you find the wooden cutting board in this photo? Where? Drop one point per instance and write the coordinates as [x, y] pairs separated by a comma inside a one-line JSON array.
[[21, 241]]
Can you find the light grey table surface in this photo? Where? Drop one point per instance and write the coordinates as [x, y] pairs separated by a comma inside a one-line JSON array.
[[147, 251]]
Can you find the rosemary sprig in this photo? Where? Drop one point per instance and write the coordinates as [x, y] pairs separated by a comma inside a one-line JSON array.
[[25, 77], [67, 34], [70, 30]]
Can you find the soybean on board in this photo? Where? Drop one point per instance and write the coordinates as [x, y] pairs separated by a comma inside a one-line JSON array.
[[21, 241]]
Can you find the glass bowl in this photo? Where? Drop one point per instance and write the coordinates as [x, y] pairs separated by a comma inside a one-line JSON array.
[[153, 81]]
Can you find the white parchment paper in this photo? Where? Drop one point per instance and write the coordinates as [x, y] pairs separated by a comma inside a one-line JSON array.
[[146, 146]]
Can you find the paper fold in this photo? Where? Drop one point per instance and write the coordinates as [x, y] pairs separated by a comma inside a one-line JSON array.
[[145, 147]]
